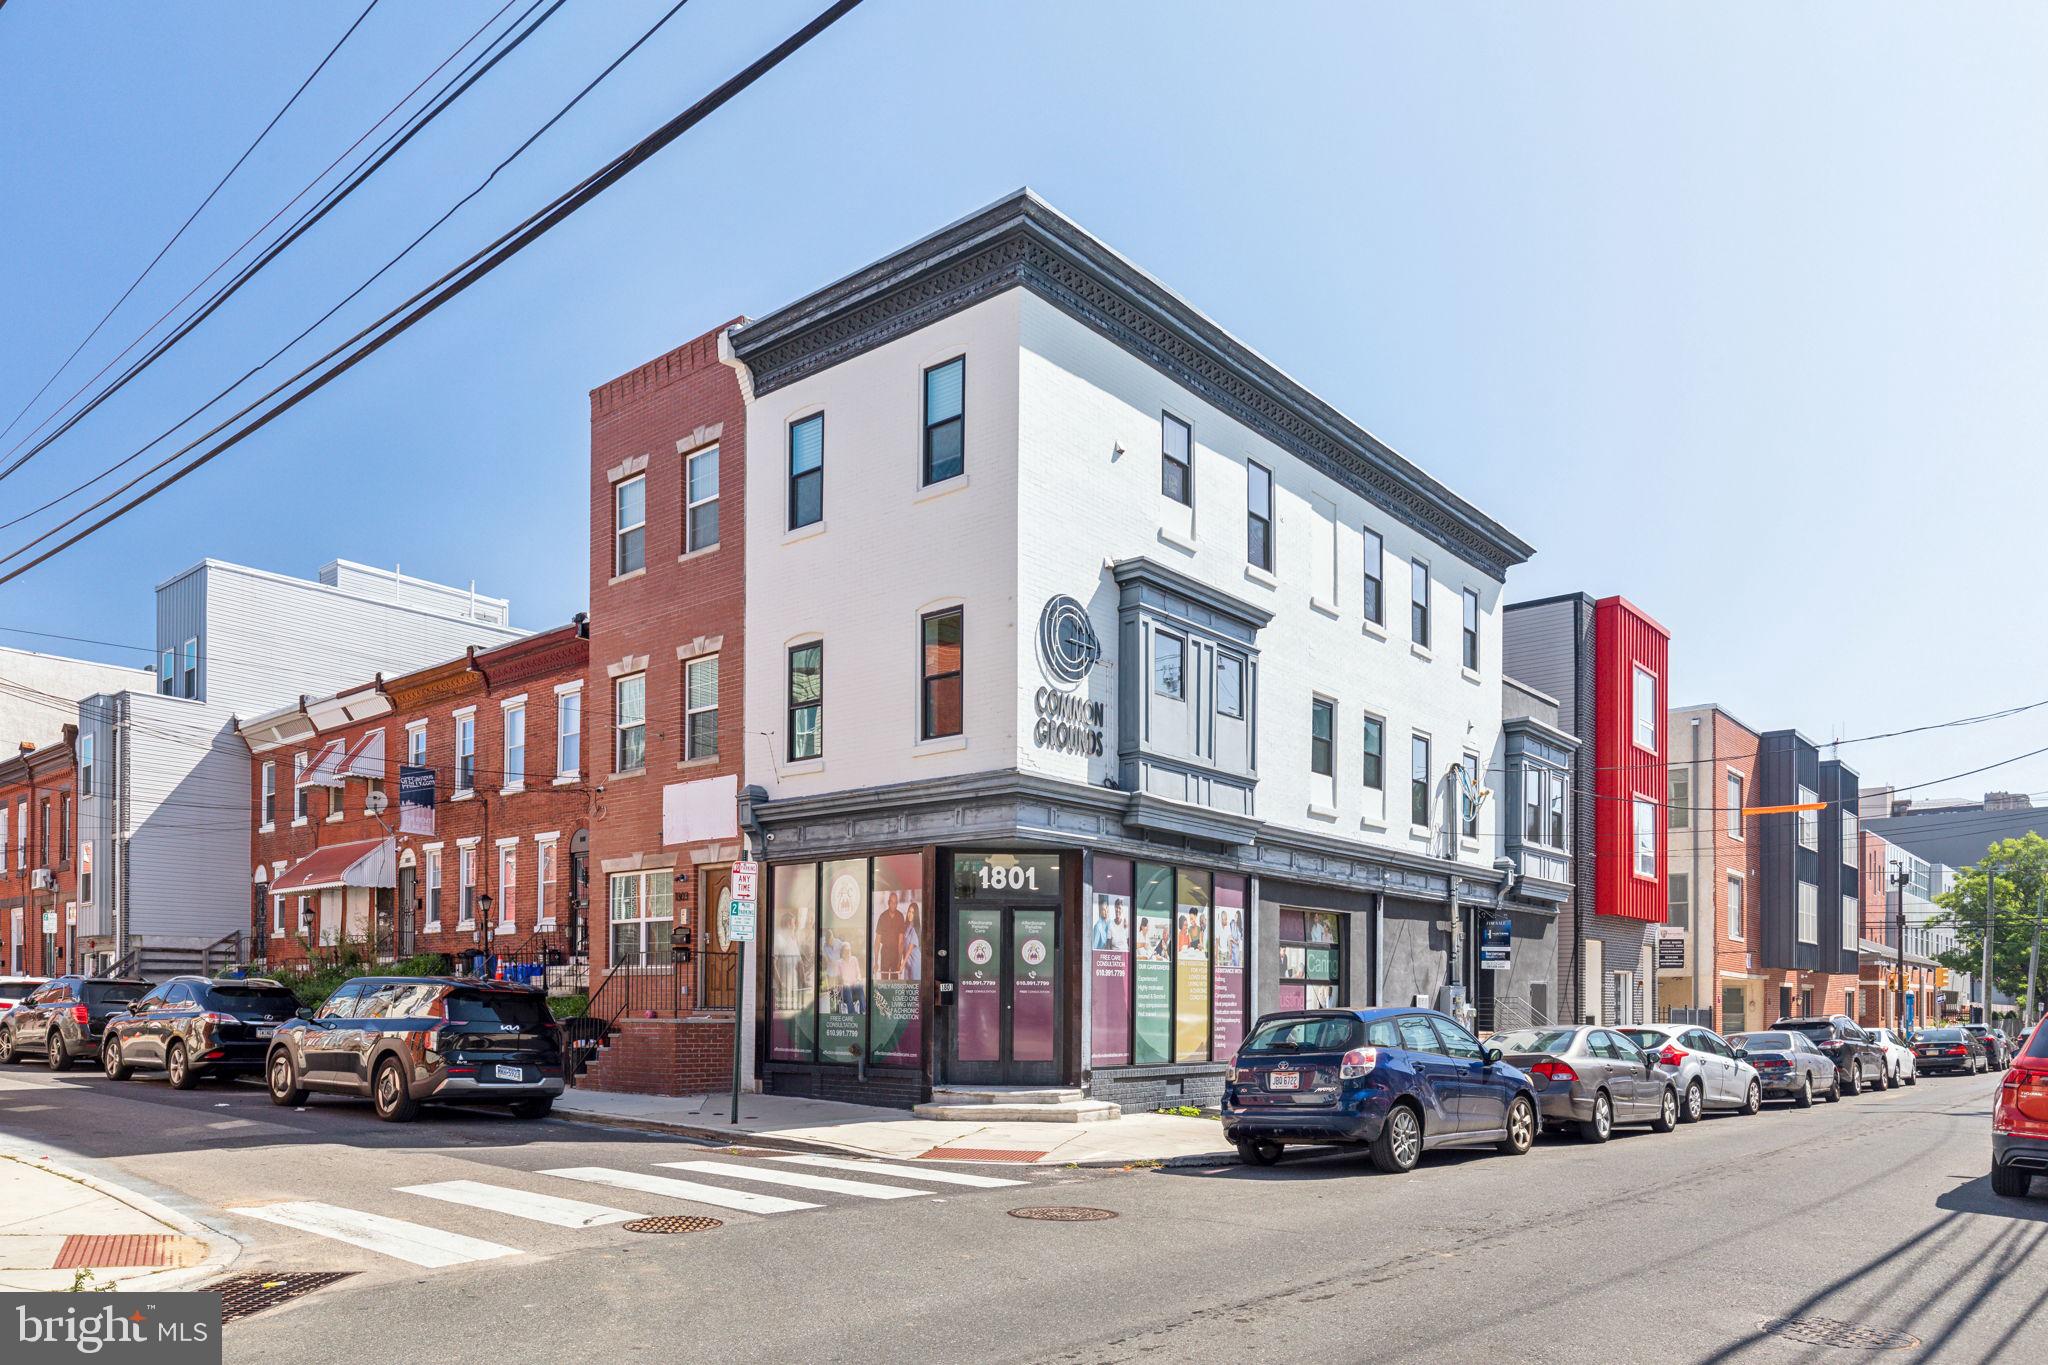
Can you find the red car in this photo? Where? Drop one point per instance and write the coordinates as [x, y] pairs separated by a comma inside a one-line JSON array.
[[2019, 1125]]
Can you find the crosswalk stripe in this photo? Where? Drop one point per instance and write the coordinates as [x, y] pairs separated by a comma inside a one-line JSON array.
[[541, 1208], [744, 1200], [414, 1242], [898, 1172], [860, 1189]]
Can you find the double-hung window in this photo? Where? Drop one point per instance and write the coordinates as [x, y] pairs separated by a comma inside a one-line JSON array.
[[1468, 795], [807, 701], [939, 661], [700, 499], [807, 471], [508, 885], [84, 766], [1852, 927], [1678, 900], [1168, 653], [1375, 577], [1644, 703], [465, 753], [629, 711], [1681, 798], [191, 688], [298, 786], [1471, 629], [1645, 830], [416, 745], [1809, 913], [1735, 805], [269, 794], [465, 860], [1258, 526], [1809, 820], [568, 733], [629, 526], [515, 746], [433, 857], [700, 707], [1322, 751], [1418, 602], [1735, 905], [1176, 460], [1418, 780], [4, 845], [1534, 779], [945, 423], [1852, 840], [167, 683], [1374, 766]]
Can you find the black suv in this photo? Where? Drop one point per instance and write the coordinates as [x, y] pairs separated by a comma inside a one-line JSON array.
[[63, 1020], [1858, 1057], [1998, 1048], [405, 1041], [192, 1026]]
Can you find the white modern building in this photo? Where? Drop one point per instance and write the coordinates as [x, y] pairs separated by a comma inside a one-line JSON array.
[[39, 693], [1109, 687], [165, 804]]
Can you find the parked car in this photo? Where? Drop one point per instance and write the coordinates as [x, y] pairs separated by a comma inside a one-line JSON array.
[[2019, 1123], [404, 1041], [1898, 1057], [1594, 1077], [15, 989], [1997, 1047], [191, 1026], [1936, 1050], [1398, 1081], [1858, 1061], [62, 1022], [1788, 1065], [1708, 1073]]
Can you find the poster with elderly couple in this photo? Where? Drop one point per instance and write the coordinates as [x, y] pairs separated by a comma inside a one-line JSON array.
[[1166, 964], [848, 982]]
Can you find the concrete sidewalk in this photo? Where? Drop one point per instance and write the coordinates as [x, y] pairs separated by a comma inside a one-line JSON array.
[[824, 1125], [61, 1228]]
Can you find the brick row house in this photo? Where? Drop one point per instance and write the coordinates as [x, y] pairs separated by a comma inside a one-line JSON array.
[[40, 859], [501, 872]]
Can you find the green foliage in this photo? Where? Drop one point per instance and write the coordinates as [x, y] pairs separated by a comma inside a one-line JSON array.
[[348, 962], [569, 1006], [2021, 866]]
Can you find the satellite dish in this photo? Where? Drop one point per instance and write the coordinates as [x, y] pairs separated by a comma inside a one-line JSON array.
[[375, 802]]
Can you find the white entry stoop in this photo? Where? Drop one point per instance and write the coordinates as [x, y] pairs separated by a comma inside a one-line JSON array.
[[1014, 1104]]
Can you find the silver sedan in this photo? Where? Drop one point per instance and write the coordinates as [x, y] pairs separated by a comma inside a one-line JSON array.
[[1708, 1073], [1592, 1076]]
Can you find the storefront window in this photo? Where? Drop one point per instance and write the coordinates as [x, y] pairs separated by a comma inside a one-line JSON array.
[[848, 982], [1166, 967], [1230, 956], [843, 962], [1152, 980], [793, 1020], [1310, 953], [1109, 969], [1191, 967], [897, 1026]]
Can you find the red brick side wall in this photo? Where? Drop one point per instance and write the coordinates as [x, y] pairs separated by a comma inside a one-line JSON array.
[[688, 1056], [45, 777]]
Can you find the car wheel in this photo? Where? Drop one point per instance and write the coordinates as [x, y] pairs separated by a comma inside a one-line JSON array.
[[1253, 1153], [283, 1080], [1601, 1126], [1834, 1091], [1804, 1099], [1854, 1084], [1399, 1145], [388, 1092], [9, 1055], [2011, 1182], [1695, 1103], [1667, 1113], [541, 1106], [1913, 1076], [1753, 1102], [178, 1068], [1521, 1127], [55, 1055], [110, 1060]]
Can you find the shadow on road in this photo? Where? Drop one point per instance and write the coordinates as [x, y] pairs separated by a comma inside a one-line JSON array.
[[1975, 1196]]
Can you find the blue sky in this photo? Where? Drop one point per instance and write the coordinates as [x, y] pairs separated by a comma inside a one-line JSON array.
[[1736, 310]]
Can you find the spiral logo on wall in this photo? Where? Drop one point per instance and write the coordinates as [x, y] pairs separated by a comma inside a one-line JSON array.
[[1067, 645]]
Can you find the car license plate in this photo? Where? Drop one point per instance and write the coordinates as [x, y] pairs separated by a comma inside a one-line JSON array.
[[266, 1033], [1284, 1080], [509, 1073]]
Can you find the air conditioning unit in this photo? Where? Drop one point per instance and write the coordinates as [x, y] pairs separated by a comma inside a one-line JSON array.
[[42, 879]]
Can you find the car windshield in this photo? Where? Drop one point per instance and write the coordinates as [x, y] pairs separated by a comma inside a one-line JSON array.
[[269, 1002], [1553, 1040], [1762, 1042], [497, 1007], [1317, 1033], [114, 992], [1941, 1035]]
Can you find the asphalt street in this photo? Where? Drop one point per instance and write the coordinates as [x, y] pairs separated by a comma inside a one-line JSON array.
[[470, 1235]]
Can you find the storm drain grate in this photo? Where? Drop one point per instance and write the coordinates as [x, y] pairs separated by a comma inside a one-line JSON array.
[[1848, 1335], [241, 1295], [674, 1223], [1062, 1213]]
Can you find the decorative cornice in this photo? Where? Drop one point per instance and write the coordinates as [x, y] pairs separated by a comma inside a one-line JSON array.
[[1021, 242], [564, 649], [435, 684]]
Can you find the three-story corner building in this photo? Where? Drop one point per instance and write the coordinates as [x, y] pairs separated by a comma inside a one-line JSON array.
[[1607, 664], [1808, 950], [40, 873], [1107, 686]]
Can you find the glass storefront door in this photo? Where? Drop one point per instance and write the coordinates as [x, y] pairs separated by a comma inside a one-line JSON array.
[[1006, 1022]]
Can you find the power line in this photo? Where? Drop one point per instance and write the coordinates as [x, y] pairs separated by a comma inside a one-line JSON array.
[[460, 278], [193, 217]]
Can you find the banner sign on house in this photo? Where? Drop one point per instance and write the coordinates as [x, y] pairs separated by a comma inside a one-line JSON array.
[[1496, 944], [415, 799]]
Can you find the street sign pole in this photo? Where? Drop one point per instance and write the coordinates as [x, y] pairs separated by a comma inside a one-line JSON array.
[[739, 930]]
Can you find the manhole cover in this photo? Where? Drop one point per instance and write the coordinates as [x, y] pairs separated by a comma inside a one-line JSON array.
[[241, 1295], [1827, 1332], [1062, 1213], [673, 1224]]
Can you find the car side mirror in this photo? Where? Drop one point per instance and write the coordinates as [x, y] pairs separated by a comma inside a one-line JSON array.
[[1492, 1054], [1649, 1063], [137, 1006], [1742, 1054], [302, 1013]]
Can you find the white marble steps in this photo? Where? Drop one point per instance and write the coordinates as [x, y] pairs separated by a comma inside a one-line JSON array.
[[1014, 1104]]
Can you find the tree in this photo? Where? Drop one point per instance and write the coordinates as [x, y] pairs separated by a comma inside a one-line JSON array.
[[2022, 875]]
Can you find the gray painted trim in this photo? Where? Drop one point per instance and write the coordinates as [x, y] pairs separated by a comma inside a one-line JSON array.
[[1154, 574], [1022, 242]]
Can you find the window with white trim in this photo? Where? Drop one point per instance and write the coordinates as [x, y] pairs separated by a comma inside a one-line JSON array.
[[544, 881], [1852, 840], [1809, 820], [700, 707], [1418, 779], [1375, 577], [806, 701], [465, 860], [945, 422], [1852, 924], [1471, 629], [416, 745], [4, 845], [515, 746], [629, 525], [1468, 794], [269, 794], [277, 916], [642, 909], [807, 471], [1418, 602], [1680, 806], [1678, 900], [433, 881], [1176, 459], [700, 500], [1645, 827], [1809, 913], [1734, 809], [629, 723], [465, 753], [1643, 713], [568, 734], [1258, 526], [85, 765], [167, 681], [1735, 930], [191, 688], [508, 885], [298, 786]]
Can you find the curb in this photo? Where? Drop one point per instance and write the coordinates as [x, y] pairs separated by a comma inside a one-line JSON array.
[[221, 1251]]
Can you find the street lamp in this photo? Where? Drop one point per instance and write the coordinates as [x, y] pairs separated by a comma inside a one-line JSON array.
[[483, 930]]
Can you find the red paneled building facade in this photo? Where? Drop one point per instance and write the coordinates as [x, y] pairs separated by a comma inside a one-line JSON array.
[[500, 869], [39, 865]]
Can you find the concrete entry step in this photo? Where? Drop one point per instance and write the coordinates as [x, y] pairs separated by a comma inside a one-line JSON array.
[[1066, 1111], [1003, 1094]]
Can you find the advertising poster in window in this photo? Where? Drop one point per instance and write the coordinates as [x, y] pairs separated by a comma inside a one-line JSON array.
[[1229, 974], [1109, 965], [1034, 989], [978, 1017], [842, 962], [1191, 968], [896, 1026], [792, 1021], [1152, 974]]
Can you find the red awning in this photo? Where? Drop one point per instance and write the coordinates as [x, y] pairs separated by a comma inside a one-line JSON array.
[[366, 862]]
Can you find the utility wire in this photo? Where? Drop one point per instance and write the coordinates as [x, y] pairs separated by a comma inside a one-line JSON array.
[[193, 217]]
